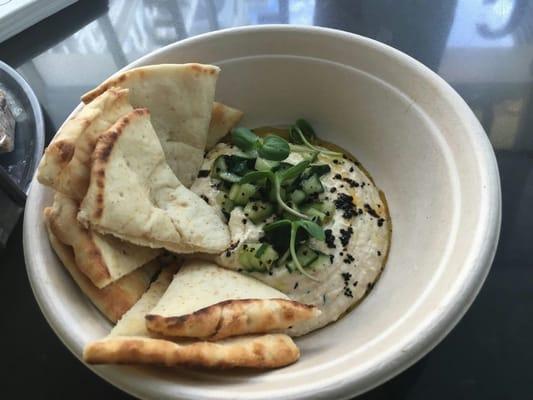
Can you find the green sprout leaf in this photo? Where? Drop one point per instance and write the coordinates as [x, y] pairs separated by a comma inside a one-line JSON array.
[[294, 171], [313, 229], [292, 247], [244, 139], [273, 148]]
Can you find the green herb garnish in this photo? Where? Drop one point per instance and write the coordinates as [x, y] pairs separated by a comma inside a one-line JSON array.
[[276, 179], [312, 229], [271, 147], [302, 133]]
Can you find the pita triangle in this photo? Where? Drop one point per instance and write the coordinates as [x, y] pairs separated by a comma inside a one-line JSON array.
[[65, 165], [207, 301], [135, 196], [223, 119]]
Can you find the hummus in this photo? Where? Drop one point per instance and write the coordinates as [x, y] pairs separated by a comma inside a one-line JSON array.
[[355, 249]]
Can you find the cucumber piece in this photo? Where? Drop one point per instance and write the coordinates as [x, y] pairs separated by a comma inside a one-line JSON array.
[[258, 211], [229, 177], [306, 255], [312, 185], [241, 194], [257, 256], [314, 213], [322, 261], [225, 203], [262, 164], [219, 166], [297, 196]]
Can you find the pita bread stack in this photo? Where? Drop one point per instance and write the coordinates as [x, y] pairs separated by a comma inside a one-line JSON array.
[[129, 342]]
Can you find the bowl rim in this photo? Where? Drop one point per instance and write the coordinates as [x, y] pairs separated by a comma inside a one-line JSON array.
[[437, 325]]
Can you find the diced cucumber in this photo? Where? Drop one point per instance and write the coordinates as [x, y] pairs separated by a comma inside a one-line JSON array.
[[312, 185], [306, 255], [258, 211], [219, 166], [225, 203], [257, 256], [241, 194], [328, 208], [262, 164], [297, 196], [314, 213], [229, 177], [322, 261]]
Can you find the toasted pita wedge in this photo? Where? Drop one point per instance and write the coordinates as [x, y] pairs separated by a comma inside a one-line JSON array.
[[180, 98], [130, 343], [65, 164], [260, 351], [207, 301], [134, 195], [102, 258], [223, 119], [115, 299]]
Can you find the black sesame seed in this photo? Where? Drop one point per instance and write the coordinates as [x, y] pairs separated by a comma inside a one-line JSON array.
[[346, 235], [330, 239], [331, 257], [380, 222], [295, 285], [332, 190], [349, 259], [345, 203], [379, 253], [351, 169], [203, 173], [244, 221]]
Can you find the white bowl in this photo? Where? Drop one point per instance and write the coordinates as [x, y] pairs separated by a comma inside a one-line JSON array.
[[424, 148]]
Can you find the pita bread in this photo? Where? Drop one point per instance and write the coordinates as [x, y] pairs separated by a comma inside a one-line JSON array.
[[262, 351], [180, 98], [115, 299], [65, 164], [102, 258], [134, 195], [130, 343], [207, 301], [223, 119]]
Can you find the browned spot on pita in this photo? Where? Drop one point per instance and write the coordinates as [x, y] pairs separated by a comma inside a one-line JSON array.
[[65, 151], [232, 318]]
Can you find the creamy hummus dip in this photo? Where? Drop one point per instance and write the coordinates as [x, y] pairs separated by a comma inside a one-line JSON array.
[[351, 257]]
